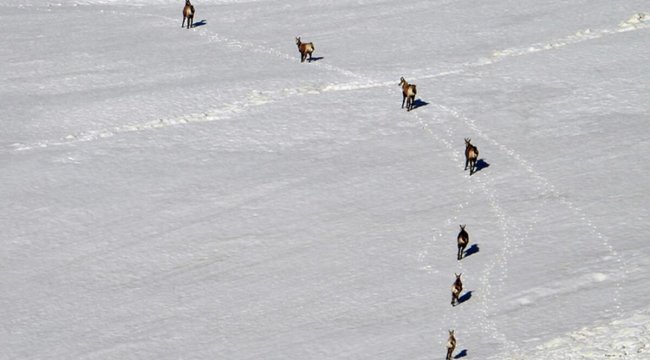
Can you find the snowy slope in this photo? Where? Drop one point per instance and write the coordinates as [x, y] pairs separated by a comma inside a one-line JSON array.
[[175, 193]]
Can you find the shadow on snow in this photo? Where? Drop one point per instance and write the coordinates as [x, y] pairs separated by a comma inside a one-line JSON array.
[[480, 165], [465, 297], [419, 103], [472, 250], [461, 354]]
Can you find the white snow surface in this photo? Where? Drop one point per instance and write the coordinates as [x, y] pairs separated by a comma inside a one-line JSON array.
[[201, 194]]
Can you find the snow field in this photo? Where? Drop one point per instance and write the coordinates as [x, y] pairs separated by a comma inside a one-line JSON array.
[[294, 213]]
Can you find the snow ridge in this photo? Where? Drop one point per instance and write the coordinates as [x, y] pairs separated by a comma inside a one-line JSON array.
[[619, 339], [226, 111], [637, 21]]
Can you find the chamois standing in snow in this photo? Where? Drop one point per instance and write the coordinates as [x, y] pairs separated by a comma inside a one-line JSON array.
[[471, 155], [451, 344], [463, 240], [456, 289], [408, 94], [188, 13], [305, 49]]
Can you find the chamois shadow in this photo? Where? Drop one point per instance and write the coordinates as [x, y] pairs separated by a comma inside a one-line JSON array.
[[461, 354], [465, 297], [480, 165], [315, 58], [200, 23], [472, 250], [419, 103]]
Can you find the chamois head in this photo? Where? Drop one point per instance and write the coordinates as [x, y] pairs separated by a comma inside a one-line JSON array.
[[451, 333], [462, 227], [401, 81], [298, 42], [187, 3], [467, 141], [458, 276]]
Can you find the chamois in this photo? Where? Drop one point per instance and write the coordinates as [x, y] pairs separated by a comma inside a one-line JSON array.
[[305, 49], [188, 13], [463, 240], [456, 289], [471, 155], [408, 94], [451, 344]]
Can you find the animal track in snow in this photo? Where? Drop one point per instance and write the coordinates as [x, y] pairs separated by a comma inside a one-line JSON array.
[[549, 191], [487, 325]]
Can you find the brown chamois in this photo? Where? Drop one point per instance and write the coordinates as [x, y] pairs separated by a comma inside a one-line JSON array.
[[471, 155], [463, 240], [451, 344], [408, 94], [456, 289], [305, 49], [188, 13]]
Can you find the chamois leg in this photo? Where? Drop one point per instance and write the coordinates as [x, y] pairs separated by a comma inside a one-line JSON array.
[[466, 163], [460, 253], [449, 354], [183, 24], [403, 100]]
